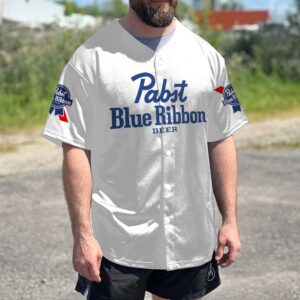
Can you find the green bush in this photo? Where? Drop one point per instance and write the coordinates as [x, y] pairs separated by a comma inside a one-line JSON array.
[[279, 55], [272, 52], [30, 63]]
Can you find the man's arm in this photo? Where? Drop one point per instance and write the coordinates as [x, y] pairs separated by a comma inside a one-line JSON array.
[[223, 161], [77, 180]]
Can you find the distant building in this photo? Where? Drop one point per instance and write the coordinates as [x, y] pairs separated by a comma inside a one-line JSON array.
[[231, 19], [36, 13], [32, 13], [228, 19], [79, 21]]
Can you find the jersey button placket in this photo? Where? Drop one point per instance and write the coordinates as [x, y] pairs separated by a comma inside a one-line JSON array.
[[169, 194], [168, 180]]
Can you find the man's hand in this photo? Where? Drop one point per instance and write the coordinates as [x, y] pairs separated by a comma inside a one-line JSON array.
[[87, 256], [228, 237], [223, 163]]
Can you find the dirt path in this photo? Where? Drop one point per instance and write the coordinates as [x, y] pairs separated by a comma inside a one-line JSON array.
[[29, 152], [284, 131]]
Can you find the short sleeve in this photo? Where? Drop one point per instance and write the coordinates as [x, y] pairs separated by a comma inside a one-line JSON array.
[[225, 113], [70, 115]]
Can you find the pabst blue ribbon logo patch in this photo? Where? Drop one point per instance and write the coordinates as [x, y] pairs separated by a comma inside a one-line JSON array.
[[62, 98], [229, 97]]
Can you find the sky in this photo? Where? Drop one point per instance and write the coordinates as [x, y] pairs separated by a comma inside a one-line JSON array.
[[277, 8]]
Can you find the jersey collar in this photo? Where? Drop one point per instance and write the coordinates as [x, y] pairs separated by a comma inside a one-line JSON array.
[[136, 43]]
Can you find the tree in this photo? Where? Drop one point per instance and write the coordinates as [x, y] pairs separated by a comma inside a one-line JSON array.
[[116, 8], [92, 10], [294, 18], [70, 7], [205, 14], [231, 5], [185, 11]]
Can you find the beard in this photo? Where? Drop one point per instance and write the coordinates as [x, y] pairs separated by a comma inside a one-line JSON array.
[[153, 14]]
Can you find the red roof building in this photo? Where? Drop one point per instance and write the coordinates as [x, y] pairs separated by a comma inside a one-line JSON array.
[[228, 18]]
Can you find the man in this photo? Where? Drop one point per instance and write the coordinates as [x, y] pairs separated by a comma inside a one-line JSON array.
[[145, 114]]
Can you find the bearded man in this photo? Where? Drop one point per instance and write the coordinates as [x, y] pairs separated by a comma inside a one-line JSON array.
[[145, 114]]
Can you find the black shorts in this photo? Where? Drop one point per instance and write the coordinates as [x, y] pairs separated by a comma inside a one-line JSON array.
[[120, 282]]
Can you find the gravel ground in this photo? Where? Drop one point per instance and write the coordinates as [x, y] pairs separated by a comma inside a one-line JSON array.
[[36, 241]]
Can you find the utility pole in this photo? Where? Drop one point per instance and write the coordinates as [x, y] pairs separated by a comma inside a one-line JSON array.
[[273, 10], [213, 5]]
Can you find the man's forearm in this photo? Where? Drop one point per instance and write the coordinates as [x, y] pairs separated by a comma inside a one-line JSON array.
[[224, 177], [77, 187], [87, 253]]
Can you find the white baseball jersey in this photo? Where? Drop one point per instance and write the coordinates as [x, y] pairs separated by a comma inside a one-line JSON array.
[[147, 117]]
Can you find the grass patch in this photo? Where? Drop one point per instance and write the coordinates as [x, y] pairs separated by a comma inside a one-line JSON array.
[[5, 148], [265, 96], [18, 114]]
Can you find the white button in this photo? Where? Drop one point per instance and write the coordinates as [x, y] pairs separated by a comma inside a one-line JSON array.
[[168, 186], [168, 152]]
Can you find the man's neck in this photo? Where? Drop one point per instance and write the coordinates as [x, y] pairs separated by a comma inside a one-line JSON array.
[[132, 23]]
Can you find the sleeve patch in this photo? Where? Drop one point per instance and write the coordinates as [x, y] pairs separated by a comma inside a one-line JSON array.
[[229, 97], [62, 98]]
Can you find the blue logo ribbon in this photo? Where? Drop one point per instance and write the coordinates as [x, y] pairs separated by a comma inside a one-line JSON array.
[[229, 97], [61, 99]]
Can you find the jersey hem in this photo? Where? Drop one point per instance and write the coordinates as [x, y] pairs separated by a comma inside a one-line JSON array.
[[229, 132], [59, 139], [171, 266]]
